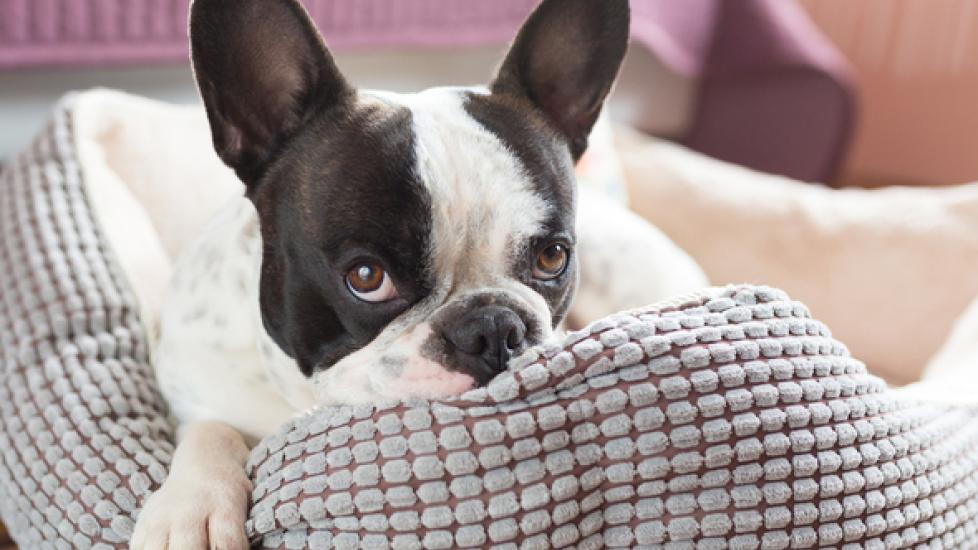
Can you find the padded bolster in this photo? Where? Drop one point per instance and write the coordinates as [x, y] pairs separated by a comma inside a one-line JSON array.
[[730, 418], [83, 432]]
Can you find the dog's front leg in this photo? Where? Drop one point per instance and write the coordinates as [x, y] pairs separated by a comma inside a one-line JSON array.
[[204, 501]]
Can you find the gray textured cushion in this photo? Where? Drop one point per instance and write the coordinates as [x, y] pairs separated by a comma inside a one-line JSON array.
[[84, 437], [730, 419]]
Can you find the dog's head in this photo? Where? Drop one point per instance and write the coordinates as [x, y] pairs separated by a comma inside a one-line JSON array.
[[412, 243]]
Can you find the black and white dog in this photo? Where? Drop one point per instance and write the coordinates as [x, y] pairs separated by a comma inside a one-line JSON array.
[[390, 246]]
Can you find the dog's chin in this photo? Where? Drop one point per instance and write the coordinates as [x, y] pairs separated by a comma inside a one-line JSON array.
[[420, 379], [423, 378], [397, 373]]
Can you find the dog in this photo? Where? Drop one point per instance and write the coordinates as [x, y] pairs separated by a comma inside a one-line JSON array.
[[387, 246]]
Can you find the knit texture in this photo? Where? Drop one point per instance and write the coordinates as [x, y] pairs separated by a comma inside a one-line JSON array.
[[83, 434], [730, 419], [726, 420]]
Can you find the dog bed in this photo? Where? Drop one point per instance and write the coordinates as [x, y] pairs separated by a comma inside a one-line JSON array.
[[726, 419]]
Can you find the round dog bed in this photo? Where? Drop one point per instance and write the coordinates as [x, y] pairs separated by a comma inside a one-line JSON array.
[[728, 419]]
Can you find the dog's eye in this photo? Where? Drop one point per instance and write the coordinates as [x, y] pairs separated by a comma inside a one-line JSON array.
[[370, 283], [551, 262]]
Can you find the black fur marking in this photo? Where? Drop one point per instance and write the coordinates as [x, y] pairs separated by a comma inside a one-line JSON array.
[[564, 61], [263, 73], [331, 175], [345, 189]]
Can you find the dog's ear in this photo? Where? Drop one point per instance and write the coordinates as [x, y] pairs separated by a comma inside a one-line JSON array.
[[262, 70], [565, 60]]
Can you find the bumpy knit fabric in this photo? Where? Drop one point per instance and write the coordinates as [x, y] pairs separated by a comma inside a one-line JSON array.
[[83, 436], [730, 419]]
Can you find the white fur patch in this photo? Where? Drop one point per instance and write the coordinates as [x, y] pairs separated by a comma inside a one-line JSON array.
[[394, 371], [481, 196]]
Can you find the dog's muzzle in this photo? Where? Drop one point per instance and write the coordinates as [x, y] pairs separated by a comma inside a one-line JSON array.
[[484, 339]]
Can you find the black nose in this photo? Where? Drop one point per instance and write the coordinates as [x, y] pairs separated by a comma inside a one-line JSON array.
[[484, 340]]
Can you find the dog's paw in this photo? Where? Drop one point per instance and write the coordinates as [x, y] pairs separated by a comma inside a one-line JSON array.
[[206, 513]]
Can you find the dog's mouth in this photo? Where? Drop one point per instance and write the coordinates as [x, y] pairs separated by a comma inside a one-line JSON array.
[[462, 345], [480, 335]]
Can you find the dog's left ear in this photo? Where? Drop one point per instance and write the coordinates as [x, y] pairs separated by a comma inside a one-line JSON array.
[[263, 71], [565, 60]]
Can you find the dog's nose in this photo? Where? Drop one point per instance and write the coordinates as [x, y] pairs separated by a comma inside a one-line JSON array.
[[484, 340]]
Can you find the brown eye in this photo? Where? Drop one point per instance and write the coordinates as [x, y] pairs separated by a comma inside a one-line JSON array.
[[370, 283], [551, 262]]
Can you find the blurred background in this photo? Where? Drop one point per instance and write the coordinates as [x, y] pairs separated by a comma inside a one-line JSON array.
[[848, 93], [837, 93]]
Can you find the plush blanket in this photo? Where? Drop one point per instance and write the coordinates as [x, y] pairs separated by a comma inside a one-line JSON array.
[[726, 419]]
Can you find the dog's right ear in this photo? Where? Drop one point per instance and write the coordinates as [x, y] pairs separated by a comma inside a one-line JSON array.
[[263, 71]]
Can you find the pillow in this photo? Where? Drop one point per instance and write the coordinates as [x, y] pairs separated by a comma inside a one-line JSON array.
[[952, 375], [900, 258], [730, 418], [959, 355]]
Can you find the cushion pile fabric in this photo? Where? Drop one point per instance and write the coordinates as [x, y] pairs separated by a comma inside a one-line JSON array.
[[730, 419], [84, 436]]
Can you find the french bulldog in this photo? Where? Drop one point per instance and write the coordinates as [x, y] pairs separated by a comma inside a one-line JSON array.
[[387, 246]]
